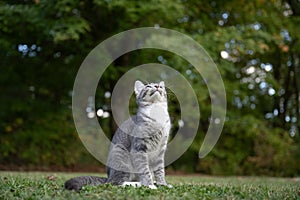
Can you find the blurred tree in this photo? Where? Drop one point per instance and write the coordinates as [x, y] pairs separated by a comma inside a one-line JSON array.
[[255, 45]]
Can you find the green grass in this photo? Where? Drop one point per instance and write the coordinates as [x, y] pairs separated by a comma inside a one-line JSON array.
[[15, 185]]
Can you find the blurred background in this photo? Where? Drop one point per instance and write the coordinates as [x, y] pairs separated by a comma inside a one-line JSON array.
[[255, 45]]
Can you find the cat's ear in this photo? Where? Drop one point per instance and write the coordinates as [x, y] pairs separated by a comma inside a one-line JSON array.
[[138, 86], [162, 84]]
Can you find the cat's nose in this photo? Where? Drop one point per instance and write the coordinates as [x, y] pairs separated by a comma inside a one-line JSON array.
[[156, 86]]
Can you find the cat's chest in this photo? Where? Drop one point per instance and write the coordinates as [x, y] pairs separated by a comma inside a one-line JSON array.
[[153, 123], [156, 113]]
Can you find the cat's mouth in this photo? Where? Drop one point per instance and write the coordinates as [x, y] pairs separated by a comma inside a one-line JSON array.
[[154, 91]]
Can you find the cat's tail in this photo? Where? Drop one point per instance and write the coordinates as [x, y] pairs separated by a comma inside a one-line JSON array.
[[78, 182]]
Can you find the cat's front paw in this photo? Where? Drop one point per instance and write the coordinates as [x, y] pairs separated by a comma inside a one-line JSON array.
[[164, 185], [133, 184], [153, 187]]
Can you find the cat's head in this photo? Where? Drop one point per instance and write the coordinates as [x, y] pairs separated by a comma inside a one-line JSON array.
[[150, 93]]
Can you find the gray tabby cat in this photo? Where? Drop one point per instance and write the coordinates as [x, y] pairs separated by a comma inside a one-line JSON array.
[[138, 146]]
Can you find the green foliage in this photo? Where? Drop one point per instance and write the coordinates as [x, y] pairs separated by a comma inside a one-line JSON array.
[[50, 186], [257, 150], [50, 141], [44, 42]]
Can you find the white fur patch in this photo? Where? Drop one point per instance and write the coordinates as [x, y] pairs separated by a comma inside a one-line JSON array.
[[137, 184], [133, 184]]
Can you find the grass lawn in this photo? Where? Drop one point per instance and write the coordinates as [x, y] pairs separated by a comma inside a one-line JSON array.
[[37, 185]]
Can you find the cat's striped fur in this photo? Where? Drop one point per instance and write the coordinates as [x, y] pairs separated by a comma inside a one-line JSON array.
[[138, 146]]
